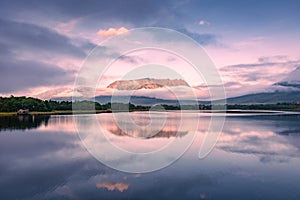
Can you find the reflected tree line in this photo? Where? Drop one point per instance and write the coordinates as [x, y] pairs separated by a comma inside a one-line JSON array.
[[23, 122]]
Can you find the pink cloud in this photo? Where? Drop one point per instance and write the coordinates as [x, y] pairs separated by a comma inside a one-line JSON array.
[[111, 31], [113, 186], [203, 22]]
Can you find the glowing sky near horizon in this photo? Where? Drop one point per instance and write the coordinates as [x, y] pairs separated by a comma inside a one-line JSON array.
[[254, 44]]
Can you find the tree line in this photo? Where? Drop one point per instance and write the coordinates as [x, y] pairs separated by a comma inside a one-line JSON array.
[[13, 104]]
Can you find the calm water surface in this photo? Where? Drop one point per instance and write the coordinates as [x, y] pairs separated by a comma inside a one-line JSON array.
[[256, 157]]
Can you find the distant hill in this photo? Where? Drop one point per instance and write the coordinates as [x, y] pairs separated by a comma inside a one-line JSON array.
[[266, 98], [141, 100], [285, 91], [137, 100], [258, 98]]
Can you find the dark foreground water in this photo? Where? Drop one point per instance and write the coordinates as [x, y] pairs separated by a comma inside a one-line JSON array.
[[256, 157]]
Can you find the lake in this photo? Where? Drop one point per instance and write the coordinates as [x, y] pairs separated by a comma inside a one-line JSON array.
[[255, 157]]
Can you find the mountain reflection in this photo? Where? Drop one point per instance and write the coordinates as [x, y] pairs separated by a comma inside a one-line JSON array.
[[166, 132], [140, 125], [23, 122]]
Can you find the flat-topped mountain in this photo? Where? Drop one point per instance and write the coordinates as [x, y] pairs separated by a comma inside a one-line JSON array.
[[146, 83]]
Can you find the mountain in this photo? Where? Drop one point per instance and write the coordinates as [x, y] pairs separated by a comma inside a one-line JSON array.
[[292, 81], [285, 91], [266, 98], [146, 83], [137, 100], [258, 98]]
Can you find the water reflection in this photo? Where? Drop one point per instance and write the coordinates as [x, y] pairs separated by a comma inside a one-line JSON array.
[[169, 129], [22, 122], [255, 158], [114, 129], [148, 147], [270, 138]]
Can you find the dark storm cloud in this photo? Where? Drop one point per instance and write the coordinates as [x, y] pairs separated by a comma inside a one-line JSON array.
[[18, 39], [126, 11], [107, 13], [20, 75], [98, 13], [29, 37]]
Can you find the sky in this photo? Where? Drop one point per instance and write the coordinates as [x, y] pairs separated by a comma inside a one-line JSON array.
[[43, 44]]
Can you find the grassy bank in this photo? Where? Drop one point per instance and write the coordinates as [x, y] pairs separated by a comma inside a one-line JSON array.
[[58, 112], [4, 114]]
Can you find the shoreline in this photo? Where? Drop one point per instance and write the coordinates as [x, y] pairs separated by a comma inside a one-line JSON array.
[[56, 112], [71, 112]]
